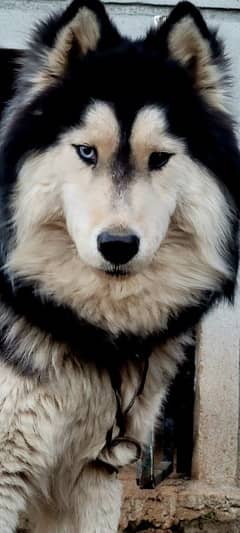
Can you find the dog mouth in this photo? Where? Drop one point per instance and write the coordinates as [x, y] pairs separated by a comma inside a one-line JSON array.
[[117, 271]]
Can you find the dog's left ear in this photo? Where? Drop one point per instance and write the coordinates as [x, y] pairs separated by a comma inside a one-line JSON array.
[[81, 28], [186, 38]]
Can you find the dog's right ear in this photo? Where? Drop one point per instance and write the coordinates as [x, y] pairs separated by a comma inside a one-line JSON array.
[[83, 27]]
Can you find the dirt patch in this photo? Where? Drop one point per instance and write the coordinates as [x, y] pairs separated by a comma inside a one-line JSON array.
[[179, 506]]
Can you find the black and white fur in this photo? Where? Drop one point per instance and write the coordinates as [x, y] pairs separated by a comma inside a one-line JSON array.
[[77, 331]]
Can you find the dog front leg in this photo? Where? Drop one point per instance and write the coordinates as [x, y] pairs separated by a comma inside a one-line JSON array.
[[97, 501], [13, 495], [93, 506]]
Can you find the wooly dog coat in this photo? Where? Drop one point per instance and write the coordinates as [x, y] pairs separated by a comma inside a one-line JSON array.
[[119, 173]]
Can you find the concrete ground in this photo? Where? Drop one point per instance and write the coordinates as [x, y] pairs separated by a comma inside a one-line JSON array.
[[179, 506]]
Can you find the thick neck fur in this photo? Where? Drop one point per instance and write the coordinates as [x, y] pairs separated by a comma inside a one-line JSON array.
[[102, 326], [35, 332]]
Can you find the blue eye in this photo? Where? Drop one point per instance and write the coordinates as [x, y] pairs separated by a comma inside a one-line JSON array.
[[87, 153]]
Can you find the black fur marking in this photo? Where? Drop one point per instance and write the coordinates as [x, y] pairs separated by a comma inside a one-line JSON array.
[[8, 67], [85, 340], [11, 355], [122, 167]]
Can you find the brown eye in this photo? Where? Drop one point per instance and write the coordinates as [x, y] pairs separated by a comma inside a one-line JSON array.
[[157, 160], [87, 153]]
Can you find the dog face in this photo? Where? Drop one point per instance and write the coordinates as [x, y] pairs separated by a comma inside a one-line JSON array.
[[114, 197], [118, 162]]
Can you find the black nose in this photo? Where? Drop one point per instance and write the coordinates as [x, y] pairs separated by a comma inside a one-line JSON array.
[[118, 249]]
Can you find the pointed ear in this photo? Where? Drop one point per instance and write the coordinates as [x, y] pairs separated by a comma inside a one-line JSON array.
[[83, 27], [185, 38]]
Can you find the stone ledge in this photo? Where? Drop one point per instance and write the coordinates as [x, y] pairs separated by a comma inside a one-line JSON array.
[[179, 506]]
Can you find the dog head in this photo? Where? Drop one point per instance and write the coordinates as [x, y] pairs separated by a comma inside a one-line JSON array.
[[119, 166]]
